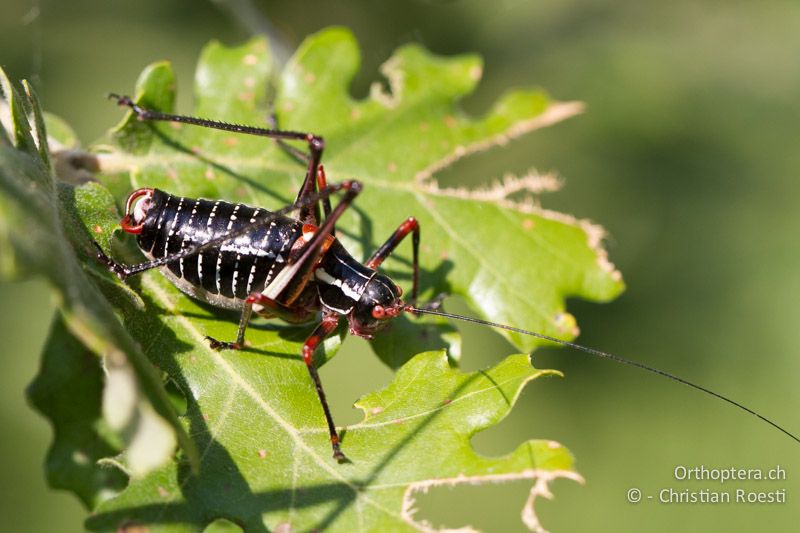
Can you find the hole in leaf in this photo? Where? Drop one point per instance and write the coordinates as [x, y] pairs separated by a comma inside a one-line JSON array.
[[492, 507]]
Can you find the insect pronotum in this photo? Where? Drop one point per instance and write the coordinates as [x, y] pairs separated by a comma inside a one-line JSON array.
[[254, 260]]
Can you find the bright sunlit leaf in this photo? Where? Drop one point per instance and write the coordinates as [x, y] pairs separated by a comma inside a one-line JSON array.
[[254, 414]]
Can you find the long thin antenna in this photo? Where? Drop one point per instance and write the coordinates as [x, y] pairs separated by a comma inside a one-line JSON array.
[[603, 355]]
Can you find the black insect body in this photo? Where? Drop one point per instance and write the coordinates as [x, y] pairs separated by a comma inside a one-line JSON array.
[[247, 258], [244, 267]]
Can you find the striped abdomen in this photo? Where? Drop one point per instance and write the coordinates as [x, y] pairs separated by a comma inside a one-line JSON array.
[[233, 270]]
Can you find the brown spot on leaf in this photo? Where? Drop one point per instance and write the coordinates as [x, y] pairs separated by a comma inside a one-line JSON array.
[[566, 322], [476, 72]]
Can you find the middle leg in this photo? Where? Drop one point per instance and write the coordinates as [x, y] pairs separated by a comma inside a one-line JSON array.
[[257, 302]]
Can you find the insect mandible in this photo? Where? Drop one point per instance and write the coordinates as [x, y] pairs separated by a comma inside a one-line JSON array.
[[257, 261]]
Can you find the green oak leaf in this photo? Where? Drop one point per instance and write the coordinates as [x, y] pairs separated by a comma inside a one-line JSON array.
[[265, 455], [393, 143], [68, 390], [38, 227], [275, 470]]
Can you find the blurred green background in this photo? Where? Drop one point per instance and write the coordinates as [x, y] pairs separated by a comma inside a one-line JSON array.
[[687, 155]]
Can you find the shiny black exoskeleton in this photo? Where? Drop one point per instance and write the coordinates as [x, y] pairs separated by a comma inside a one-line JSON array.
[[244, 266], [240, 257]]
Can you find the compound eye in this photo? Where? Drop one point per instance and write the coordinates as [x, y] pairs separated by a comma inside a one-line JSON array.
[[378, 312]]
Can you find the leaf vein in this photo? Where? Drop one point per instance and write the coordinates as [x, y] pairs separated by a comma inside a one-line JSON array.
[[293, 433]]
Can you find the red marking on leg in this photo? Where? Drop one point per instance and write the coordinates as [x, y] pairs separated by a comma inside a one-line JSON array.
[[322, 181], [328, 324], [308, 351], [308, 233], [409, 225]]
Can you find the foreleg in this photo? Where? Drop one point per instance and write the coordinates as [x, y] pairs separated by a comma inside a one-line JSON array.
[[410, 225]]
